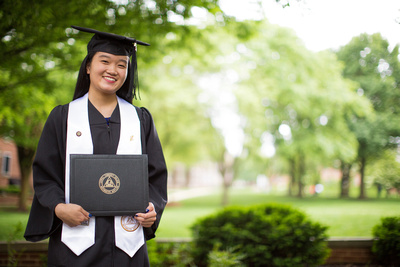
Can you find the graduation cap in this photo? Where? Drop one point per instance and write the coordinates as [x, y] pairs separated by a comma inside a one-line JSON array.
[[117, 45]]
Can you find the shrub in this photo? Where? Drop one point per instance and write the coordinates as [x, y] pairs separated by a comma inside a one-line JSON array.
[[179, 254], [12, 189], [276, 235], [169, 254], [386, 246], [14, 255], [226, 258]]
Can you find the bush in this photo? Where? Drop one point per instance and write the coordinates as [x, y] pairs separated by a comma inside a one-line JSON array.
[[273, 235], [226, 258], [386, 246], [179, 254], [11, 189], [169, 254]]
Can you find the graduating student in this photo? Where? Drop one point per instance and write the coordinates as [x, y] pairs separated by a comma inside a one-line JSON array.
[[100, 120]]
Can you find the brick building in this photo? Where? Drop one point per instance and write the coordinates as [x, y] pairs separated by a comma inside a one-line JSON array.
[[10, 172]]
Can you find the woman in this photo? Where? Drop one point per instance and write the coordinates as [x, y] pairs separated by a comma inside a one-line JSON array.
[[102, 104]]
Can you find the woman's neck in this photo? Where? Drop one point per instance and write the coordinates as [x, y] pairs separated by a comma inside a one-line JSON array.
[[105, 104]]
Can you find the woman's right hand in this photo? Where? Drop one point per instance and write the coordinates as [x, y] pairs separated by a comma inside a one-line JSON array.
[[71, 214]]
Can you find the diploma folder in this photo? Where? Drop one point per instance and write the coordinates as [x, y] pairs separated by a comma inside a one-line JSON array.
[[109, 185]]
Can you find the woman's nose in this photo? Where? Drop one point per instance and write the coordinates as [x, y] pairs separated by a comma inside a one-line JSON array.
[[112, 69]]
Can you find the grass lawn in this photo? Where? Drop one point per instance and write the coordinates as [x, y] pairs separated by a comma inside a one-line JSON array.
[[10, 220], [345, 217]]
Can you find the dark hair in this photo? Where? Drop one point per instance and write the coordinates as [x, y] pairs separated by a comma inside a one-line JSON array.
[[126, 91]]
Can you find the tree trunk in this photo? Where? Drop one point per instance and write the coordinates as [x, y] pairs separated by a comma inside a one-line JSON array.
[[292, 181], [25, 158], [227, 183], [188, 176], [345, 181], [363, 194], [173, 179], [225, 195], [301, 172], [227, 172]]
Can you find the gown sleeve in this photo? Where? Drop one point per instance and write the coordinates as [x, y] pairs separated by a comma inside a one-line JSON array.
[[48, 177], [157, 169]]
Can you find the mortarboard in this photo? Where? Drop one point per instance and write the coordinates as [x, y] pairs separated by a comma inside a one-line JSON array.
[[116, 45], [110, 42]]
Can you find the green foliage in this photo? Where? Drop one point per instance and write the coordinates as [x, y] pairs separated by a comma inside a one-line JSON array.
[[170, 254], [275, 234], [385, 171], [13, 189], [225, 258], [284, 86], [182, 123], [13, 254], [386, 246], [179, 254], [369, 61]]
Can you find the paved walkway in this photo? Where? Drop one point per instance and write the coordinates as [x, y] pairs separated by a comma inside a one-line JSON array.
[[177, 195]]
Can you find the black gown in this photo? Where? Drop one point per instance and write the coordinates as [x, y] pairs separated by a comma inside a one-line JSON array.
[[49, 172]]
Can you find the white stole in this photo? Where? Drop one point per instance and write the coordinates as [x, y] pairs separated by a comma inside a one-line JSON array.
[[79, 141]]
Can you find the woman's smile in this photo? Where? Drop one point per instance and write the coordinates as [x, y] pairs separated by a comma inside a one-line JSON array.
[[107, 73], [110, 79]]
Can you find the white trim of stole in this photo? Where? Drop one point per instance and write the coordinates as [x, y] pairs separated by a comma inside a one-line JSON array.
[[79, 141]]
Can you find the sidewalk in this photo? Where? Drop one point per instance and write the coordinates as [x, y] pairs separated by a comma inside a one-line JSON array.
[[177, 195]]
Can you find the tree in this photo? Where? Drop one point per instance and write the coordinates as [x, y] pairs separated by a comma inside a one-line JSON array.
[[183, 125], [385, 172], [297, 99], [218, 82], [41, 54], [370, 62]]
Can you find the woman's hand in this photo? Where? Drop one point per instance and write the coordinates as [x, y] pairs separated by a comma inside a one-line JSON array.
[[71, 214], [147, 219]]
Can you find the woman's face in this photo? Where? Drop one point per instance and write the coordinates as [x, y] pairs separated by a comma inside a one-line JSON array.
[[107, 72]]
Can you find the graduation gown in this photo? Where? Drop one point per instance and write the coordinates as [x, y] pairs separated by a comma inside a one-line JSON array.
[[48, 176]]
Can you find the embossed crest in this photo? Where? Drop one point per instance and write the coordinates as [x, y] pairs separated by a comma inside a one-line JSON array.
[[109, 183], [129, 223]]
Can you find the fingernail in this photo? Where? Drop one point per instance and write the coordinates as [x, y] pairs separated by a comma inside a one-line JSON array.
[[147, 210], [90, 215], [136, 215]]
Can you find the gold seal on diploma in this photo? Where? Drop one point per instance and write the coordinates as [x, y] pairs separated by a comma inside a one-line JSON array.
[[129, 223], [109, 183]]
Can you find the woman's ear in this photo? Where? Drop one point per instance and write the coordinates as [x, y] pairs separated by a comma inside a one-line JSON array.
[[88, 69]]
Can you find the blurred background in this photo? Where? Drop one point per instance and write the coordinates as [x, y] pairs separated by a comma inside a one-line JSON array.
[[299, 99]]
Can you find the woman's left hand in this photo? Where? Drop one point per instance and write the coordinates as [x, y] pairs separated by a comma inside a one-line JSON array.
[[147, 219]]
